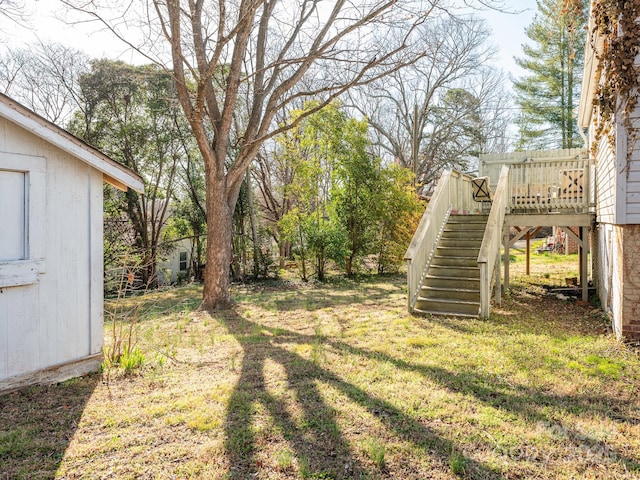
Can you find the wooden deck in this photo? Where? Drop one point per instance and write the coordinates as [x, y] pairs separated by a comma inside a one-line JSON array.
[[560, 182], [530, 190]]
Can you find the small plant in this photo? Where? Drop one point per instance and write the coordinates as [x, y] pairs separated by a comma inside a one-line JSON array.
[[130, 360], [457, 463], [318, 354], [124, 322], [376, 451], [303, 467], [284, 459], [232, 365]]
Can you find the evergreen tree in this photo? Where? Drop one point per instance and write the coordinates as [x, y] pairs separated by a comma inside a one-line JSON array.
[[548, 95]]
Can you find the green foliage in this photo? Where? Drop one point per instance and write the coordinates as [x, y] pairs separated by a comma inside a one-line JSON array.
[[314, 150], [398, 213], [130, 113], [344, 205], [456, 132], [457, 463], [548, 95], [284, 459], [356, 190], [131, 359], [15, 443]]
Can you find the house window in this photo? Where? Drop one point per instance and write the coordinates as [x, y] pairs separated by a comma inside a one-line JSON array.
[[22, 219], [183, 261]]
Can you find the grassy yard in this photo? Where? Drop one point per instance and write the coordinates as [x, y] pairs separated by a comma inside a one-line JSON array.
[[337, 381]]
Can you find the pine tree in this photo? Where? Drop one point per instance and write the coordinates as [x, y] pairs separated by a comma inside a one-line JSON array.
[[549, 94]]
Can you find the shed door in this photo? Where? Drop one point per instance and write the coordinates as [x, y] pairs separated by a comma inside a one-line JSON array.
[[12, 215]]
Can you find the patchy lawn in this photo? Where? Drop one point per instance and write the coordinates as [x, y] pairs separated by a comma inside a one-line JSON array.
[[337, 381]]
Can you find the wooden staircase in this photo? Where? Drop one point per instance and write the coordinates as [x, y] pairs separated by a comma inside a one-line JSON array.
[[452, 283]]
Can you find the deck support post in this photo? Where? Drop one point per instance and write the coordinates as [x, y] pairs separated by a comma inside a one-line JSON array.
[[506, 244], [584, 281], [528, 252], [583, 253]]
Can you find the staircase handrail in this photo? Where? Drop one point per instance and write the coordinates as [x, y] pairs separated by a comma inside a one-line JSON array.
[[453, 191], [489, 256]]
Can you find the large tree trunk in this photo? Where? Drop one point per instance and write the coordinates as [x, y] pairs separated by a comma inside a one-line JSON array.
[[218, 258]]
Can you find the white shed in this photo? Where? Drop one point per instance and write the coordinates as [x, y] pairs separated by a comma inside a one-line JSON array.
[[51, 251]]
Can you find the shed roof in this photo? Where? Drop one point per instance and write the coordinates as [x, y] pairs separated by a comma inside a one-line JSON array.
[[114, 173]]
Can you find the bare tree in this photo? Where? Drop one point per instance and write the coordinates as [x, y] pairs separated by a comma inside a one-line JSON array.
[[44, 77], [456, 50], [266, 48], [13, 10], [496, 110]]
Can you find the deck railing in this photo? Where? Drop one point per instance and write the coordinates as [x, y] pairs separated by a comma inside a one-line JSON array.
[[489, 256], [453, 194], [551, 185]]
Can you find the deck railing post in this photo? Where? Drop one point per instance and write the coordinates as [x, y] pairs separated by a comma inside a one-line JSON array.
[[488, 258], [484, 291]]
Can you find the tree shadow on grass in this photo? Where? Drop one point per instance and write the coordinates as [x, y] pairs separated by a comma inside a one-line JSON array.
[[325, 449], [37, 425], [316, 439], [328, 295], [529, 404]]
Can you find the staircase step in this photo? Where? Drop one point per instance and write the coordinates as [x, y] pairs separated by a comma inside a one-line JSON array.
[[469, 218], [455, 271], [448, 306], [452, 282], [462, 233], [454, 261], [460, 242], [468, 294], [445, 314], [458, 251]]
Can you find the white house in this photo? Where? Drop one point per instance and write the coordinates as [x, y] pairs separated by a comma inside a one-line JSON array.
[[51, 253], [616, 243], [176, 263]]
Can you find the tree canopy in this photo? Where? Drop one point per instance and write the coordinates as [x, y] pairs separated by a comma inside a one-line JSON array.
[[548, 94]]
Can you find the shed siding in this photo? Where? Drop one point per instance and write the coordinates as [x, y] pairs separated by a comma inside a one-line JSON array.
[[96, 246], [58, 319]]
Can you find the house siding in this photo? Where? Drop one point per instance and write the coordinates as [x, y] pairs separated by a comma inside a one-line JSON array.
[[58, 319], [169, 267], [607, 272], [631, 175], [605, 182]]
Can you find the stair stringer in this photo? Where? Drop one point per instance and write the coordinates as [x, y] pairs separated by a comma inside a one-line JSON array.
[[425, 270]]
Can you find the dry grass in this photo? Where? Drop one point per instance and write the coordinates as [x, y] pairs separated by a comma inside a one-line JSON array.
[[337, 381]]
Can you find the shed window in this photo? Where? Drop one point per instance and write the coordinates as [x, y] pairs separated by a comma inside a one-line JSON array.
[[22, 219], [183, 261], [13, 215]]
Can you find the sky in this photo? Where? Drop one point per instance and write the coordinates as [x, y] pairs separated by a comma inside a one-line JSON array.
[[508, 32]]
